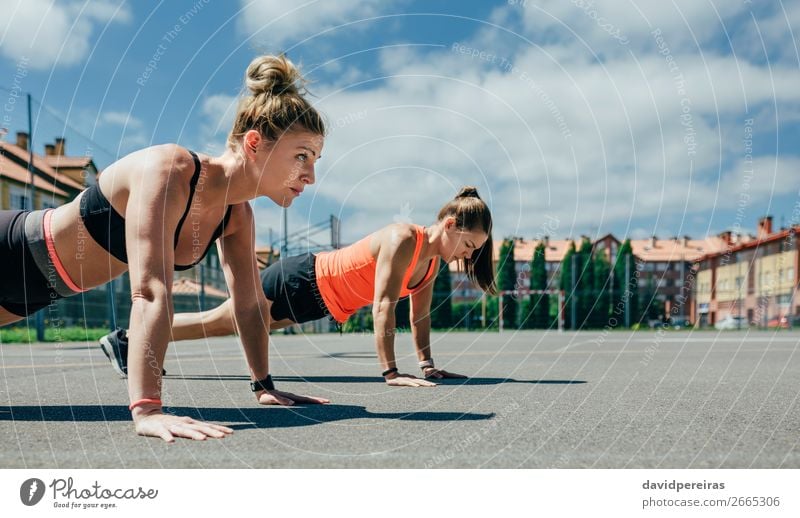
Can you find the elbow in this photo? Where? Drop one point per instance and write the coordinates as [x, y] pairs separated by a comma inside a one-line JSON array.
[[252, 317], [150, 296]]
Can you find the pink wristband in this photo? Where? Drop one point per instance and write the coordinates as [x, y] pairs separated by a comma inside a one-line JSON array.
[[144, 402]]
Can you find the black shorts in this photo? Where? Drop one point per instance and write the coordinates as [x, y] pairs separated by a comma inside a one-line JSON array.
[[23, 287], [291, 285]]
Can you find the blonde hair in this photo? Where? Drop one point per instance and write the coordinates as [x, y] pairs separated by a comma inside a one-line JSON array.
[[276, 101]]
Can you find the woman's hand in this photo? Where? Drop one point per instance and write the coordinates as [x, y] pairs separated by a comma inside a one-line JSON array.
[[438, 374], [166, 426], [407, 380], [278, 397]]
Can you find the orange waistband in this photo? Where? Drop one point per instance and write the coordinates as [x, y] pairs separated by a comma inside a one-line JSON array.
[[51, 251]]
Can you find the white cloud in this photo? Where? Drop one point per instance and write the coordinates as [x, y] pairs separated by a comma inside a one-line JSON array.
[[549, 131], [611, 26], [133, 133], [278, 24], [46, 34], [123, 119]]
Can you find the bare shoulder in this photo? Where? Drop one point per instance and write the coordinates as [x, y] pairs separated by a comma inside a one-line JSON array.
[[161, 165], [397, 238], [169, 158], [148, 173]]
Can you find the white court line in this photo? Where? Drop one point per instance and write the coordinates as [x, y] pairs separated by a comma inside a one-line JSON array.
[[694, 340], [564, 349]]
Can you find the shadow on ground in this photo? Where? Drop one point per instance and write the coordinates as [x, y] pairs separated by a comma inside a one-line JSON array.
[[268, 417], [374, 379]]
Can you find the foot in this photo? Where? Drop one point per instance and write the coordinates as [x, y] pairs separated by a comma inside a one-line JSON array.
[[115, 347]]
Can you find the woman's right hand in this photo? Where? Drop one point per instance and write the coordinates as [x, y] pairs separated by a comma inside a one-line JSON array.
[[167, 427], [407, 380], [278, 397]]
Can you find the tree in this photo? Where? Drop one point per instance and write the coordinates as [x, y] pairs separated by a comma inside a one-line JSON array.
[[650, 306], [566, 282], [602, 271], [441, 305], [585, 272], [507, 280], [626, 288], [468, 314], [539, 306]]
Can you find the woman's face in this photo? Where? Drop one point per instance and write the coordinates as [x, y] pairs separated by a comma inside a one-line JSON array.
[[287, 165], [460, 243]]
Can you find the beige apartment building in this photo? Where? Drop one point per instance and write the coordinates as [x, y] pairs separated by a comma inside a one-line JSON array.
[[755, 280]]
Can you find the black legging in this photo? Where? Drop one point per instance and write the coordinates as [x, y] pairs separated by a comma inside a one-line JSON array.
[[23, 288]]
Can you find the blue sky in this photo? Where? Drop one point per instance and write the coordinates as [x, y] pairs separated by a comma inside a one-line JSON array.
[[665, 118]]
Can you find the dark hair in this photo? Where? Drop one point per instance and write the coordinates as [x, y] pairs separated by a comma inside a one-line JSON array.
[[472, 213], [276, 101]]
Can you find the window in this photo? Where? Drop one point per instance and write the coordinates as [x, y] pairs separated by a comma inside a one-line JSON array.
[[19, 200]]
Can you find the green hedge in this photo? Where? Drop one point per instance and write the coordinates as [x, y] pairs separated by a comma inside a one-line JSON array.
[[63, 334]]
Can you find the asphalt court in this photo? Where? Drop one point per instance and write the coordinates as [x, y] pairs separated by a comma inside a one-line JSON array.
[[534, 399]]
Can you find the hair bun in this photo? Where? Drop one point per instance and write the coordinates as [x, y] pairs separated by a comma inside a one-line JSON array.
[[273, 75], [468, 192]]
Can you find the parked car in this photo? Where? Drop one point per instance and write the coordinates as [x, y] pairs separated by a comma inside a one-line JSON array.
[[784, 322], [731, 322], [680, 323], [655, 323], [676, 322]]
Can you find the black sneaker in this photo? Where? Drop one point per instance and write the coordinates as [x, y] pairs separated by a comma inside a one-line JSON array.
[[115, 347]]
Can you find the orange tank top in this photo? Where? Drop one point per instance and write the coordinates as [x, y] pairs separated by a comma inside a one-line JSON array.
[[346, 277]]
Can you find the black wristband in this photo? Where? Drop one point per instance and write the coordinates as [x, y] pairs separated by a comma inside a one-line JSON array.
[[265, 384], [389, 371]]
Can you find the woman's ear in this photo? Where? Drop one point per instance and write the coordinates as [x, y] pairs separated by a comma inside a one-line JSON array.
[[449, 223], [251, 142]]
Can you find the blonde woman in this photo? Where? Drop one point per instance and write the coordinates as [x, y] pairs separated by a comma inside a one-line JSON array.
[[160, 209]]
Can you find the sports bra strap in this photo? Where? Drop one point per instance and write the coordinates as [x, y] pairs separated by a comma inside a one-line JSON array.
[[417, 249], [192, 187]]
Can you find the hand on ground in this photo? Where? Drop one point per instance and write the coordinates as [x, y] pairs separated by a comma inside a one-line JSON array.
[[168, 427], [407, 380], [277, 397]]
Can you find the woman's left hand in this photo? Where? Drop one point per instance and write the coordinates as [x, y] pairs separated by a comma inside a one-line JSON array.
[[438, 374]]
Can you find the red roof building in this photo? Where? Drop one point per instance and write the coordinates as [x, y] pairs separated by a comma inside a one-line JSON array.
[[755, 279]]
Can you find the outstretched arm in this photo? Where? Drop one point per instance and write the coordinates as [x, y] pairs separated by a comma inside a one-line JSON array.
[[151, 219], [420, 314], [249, 305], [394, 256]]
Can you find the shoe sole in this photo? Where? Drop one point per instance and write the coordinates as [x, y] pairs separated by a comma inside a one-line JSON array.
[[108, 350]]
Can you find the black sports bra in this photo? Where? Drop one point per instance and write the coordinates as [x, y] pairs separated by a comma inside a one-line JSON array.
[[107, 226]]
